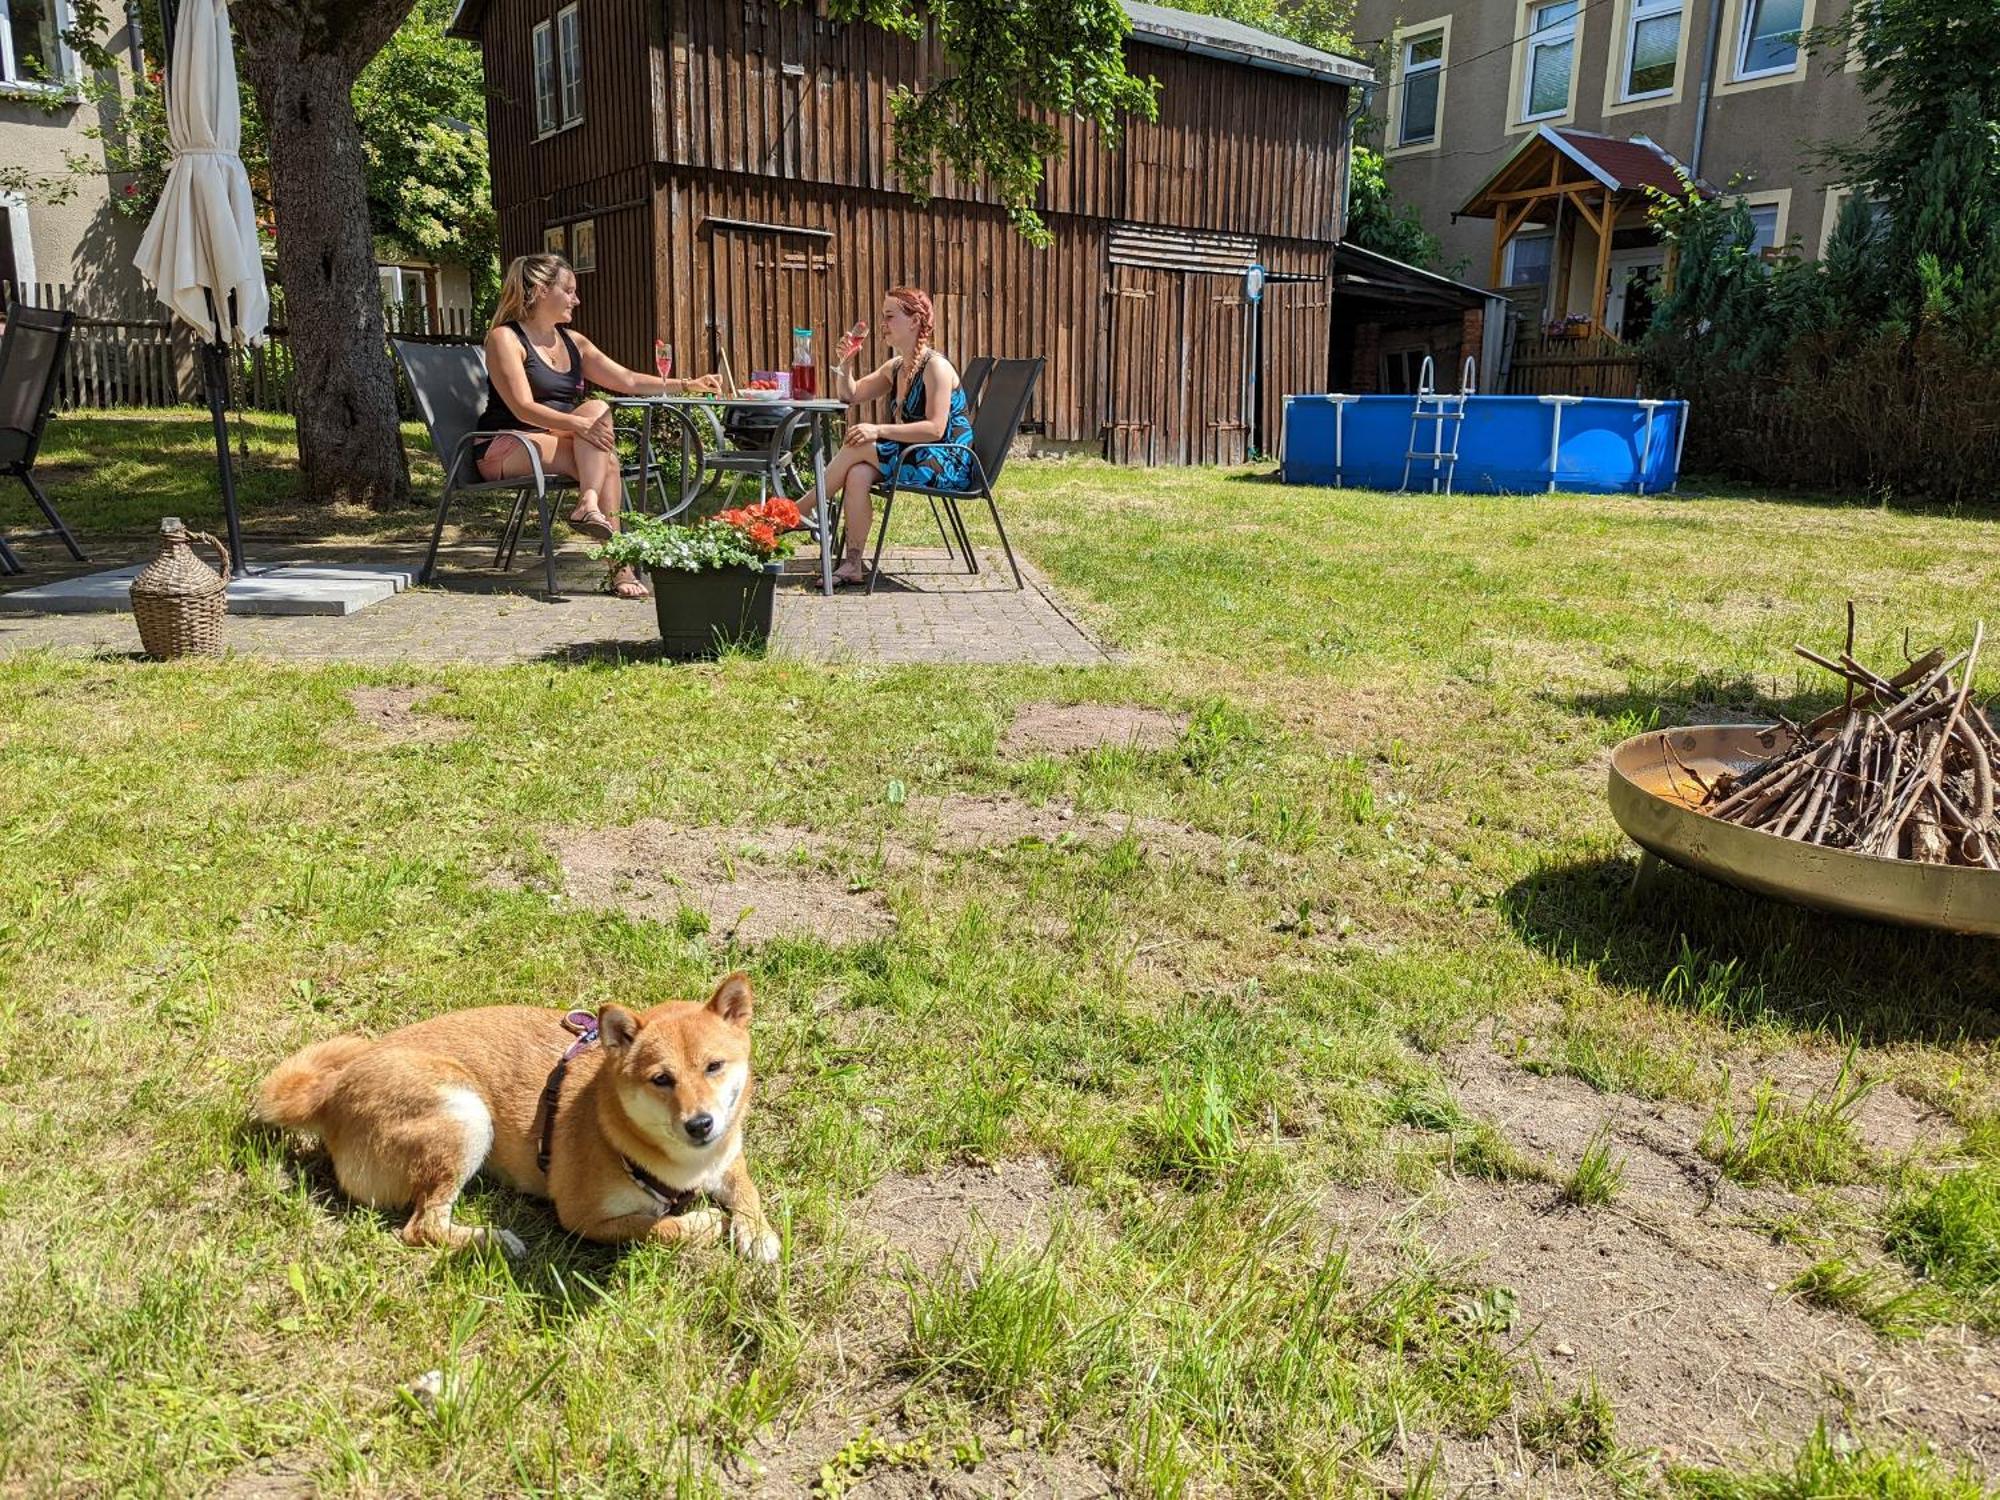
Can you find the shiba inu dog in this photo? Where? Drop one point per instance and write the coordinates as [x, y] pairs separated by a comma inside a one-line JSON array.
[[622, 1120]]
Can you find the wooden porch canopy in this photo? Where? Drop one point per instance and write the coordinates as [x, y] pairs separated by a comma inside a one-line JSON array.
[[1557, 170]]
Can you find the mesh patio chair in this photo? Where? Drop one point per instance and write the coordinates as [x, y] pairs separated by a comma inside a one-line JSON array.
[[1003, 404], [972, 380], [31, 354], [448, 381]]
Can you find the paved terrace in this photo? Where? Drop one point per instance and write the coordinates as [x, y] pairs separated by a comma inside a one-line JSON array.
[[925, 609]]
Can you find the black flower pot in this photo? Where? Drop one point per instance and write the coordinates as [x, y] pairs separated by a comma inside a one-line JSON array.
[[701, 613]]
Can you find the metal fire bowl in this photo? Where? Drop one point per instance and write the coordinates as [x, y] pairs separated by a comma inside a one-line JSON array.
[[1949, 898]]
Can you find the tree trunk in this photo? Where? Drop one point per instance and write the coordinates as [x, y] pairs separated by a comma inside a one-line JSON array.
[[302, 57]]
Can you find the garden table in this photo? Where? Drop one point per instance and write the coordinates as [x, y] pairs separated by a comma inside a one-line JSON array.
[[820, 413]]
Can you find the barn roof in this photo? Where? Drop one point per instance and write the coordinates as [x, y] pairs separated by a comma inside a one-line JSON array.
[[1232, 41], [1158, 26]]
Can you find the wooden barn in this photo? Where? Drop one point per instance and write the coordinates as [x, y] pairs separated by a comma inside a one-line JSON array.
[[719, 171]]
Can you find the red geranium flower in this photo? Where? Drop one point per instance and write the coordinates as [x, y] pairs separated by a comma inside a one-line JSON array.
[[764, 534]]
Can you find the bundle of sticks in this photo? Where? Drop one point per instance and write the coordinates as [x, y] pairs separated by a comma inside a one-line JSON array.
[[1903, 769]]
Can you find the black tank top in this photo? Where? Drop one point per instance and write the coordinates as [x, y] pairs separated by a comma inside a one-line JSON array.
[[561, 389]]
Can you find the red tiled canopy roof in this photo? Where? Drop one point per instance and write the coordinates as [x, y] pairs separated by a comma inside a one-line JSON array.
[[1621, 166]]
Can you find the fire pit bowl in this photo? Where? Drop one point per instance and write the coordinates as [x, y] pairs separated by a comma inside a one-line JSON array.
[[1649, 791]]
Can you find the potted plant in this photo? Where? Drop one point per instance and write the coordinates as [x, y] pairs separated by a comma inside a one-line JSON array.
[[712, 579]]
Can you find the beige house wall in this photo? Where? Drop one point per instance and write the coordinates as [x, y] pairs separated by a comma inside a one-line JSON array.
[[84, 242], [1763, 135]]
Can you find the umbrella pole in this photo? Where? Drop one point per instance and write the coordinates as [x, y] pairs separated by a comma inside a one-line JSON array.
[[215, 376]]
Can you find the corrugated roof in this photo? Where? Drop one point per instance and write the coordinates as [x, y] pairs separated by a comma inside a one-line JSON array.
[[1185, 31], [1217, 36]]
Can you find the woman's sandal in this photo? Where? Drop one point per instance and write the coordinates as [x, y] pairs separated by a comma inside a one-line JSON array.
[[624, 584], [593, 523]]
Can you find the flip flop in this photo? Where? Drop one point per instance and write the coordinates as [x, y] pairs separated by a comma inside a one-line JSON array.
[[618, 586], [594, 524]]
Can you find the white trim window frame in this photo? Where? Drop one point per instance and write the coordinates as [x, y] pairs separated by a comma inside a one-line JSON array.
[[12, 79], [542, 70], [1754, 11], [1651, 16], [1552, 29], [569, 64], [14, 210], [1422, 78]]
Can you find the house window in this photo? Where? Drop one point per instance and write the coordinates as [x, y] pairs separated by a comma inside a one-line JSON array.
[[545, 79], [1652, 47], [1764, 218], [1551, 61], [1423, 71], [1530, 259], [1770, 41], [583, 245], [31, 50], [569, 60], [406, 291]]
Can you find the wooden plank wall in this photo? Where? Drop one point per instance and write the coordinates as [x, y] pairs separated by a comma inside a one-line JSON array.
[[766, 113], [766, 89]]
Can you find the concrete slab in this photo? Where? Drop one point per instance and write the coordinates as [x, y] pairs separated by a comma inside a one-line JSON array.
[[285, 589]]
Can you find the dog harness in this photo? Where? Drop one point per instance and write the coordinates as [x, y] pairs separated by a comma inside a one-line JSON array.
[[673, 1201]]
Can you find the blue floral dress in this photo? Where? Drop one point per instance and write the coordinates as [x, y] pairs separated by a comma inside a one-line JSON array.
[[931, 468]]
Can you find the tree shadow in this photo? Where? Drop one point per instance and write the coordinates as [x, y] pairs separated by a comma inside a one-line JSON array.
[[1658, 700], [1702, 947]]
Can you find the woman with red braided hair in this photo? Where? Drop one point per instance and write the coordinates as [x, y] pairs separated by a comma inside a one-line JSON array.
[[927, 407]]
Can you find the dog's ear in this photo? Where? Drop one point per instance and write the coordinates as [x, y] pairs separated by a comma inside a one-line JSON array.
[[731, 1000], [617, 1026]]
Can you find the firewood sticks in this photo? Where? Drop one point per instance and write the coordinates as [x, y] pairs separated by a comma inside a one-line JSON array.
[[1903, 769]]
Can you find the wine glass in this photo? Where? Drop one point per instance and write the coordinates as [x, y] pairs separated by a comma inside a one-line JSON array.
[[663, 359]]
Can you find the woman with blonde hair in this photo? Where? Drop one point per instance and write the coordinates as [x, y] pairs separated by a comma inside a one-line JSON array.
[[537, 369], [928, 406]]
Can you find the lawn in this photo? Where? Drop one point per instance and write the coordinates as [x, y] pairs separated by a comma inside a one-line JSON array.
[[1316, 1114]]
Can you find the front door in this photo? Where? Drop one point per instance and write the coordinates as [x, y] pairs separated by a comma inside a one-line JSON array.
[[1636, 278]]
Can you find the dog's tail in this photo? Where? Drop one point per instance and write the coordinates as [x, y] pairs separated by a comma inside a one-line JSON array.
[[295, 1091]]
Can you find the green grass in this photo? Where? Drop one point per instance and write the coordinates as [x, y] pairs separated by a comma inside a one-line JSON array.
[[1598, 1175], [1798, 1144], [1828, 1468], [1392, 779]]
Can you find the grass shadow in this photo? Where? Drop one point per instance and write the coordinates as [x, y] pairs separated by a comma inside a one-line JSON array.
[[1743, 959]]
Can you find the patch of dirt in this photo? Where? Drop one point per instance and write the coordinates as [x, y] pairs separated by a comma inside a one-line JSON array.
[[392, 713], [928, 1217], [1672, 1296], [1067, 728], [750, 886], [1890, 1123], [965, 824]]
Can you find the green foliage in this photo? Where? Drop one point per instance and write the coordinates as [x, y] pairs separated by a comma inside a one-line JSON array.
[[1879, 364], [1376, 222], [421, 108], [1949, 1231]]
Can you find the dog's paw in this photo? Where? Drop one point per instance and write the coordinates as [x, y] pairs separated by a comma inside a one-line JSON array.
[[699, 1226], [754, 1241]]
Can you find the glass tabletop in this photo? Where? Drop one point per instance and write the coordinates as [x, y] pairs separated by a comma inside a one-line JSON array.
[[729, 403]]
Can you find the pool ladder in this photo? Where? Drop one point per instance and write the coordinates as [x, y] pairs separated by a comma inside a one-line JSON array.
[[1445, 411]]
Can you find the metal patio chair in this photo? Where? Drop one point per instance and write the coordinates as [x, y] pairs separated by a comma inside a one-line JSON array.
[[972, 380], [1003, 404], [31, 355], [448, 381]]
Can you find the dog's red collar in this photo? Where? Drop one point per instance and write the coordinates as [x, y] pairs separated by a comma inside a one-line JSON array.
[[673, 1201]]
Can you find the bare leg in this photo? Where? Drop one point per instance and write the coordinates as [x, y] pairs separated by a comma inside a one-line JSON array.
[[859, 510]]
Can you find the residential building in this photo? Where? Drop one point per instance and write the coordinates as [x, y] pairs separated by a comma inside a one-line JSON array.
[[1527, 133], [720, 171], [83, 243]]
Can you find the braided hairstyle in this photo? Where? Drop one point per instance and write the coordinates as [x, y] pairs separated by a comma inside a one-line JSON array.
[[916, 305]]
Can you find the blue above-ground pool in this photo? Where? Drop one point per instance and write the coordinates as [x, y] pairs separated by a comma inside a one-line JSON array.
[[1508, 445]]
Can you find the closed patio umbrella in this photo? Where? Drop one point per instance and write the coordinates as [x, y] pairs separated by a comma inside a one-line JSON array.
[[200, 251]]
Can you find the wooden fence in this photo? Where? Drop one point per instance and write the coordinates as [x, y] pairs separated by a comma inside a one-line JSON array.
[[1596, 366], [130, 353]]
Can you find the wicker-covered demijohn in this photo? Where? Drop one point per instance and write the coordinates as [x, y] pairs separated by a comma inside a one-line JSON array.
[[178, 599]]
